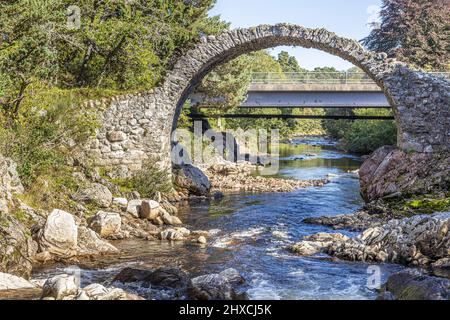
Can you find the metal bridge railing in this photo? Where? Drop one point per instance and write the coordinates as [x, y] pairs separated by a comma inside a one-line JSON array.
[[314, 77]]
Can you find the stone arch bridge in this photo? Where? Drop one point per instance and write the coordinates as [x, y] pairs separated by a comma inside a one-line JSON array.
[[139, 126]]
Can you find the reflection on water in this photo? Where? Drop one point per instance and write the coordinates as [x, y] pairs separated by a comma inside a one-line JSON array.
[[253, 231]]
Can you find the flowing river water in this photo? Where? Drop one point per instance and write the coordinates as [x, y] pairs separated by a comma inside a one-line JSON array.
[[252, 232]]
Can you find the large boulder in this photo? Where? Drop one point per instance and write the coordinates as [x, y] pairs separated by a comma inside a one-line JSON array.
[[157, 214], [17, 248], [90, 243], [59, 234], [391, 172], [65, 287], [414, 285], [192, 179], [96, 291], [11, 282], [96, 194], [106, 224], [163, 277], [150, 210], [59, 287], [215, 287]]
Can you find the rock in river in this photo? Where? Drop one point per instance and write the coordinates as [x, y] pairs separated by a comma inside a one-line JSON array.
[[11, 282], [59, 234], [163, 277], [420, 240], [415, 285], [192, 179], [391, 172], [106, 224], [90, 243], [216, 286]]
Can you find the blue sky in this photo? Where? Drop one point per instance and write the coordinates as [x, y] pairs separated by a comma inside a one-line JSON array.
[[347, 18]]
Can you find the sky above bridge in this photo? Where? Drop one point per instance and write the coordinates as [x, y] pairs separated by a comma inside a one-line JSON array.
[[347, 18]]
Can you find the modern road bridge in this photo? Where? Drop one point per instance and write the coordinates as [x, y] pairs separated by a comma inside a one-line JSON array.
[[310, 90]]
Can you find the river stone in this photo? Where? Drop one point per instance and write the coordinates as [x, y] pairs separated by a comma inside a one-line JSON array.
[[192, 179], [202, 240], [150, 210], [233, 276], [120, 202], [171, 235], [211, 287], [96, 194], [415, 285], [163, 277], [11, 282], [134, 208], [90, 243], [106, 224], [59, 234], [60, 287], [418, 241]]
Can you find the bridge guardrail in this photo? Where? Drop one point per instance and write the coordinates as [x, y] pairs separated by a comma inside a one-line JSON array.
[[314, 77]]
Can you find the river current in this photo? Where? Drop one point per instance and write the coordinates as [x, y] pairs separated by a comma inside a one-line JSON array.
[[252, 231]]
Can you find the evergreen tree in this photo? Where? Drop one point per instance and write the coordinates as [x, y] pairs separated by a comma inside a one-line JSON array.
[[288, 63]]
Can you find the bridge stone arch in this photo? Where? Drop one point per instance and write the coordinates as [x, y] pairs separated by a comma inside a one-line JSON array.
[[139, 126]]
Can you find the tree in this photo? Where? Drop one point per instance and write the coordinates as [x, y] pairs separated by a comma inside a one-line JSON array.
[[120, 45], [288, 63], [414, 31]]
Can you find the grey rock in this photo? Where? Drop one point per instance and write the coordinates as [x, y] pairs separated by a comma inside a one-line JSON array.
[[192, 179], [419, 241], [163, 277], [60, 287], [17, 248], [134, 208], [415, 285], [106, 224], [59, 234], [11, 282], [95, 193], [90, 243], [391, 172]]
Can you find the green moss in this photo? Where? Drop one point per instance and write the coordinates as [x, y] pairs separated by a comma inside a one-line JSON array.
[[429, 205], [411, 205]]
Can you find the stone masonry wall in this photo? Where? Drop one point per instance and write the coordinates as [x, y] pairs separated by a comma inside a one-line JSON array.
[[136, 127]]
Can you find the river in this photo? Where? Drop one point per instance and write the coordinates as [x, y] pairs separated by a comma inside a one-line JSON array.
[[251, 233]]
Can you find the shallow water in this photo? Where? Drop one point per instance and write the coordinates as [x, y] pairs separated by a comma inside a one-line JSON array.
[[253, 231]]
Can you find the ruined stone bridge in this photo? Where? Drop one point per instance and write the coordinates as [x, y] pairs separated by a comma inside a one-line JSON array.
[[139, 126]]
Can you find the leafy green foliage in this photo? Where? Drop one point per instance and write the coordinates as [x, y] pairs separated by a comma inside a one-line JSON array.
[[52, 124], [148, 181], [362, 136], [416, 32], [121, 45]]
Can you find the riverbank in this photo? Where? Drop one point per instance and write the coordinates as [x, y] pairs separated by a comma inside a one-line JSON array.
[[242, 177], [248, 232]]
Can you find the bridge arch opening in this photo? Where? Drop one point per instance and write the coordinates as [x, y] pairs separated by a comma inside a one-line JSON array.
[[215, 51]]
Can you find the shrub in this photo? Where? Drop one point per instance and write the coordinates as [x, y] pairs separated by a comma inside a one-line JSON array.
[[148, 181]]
